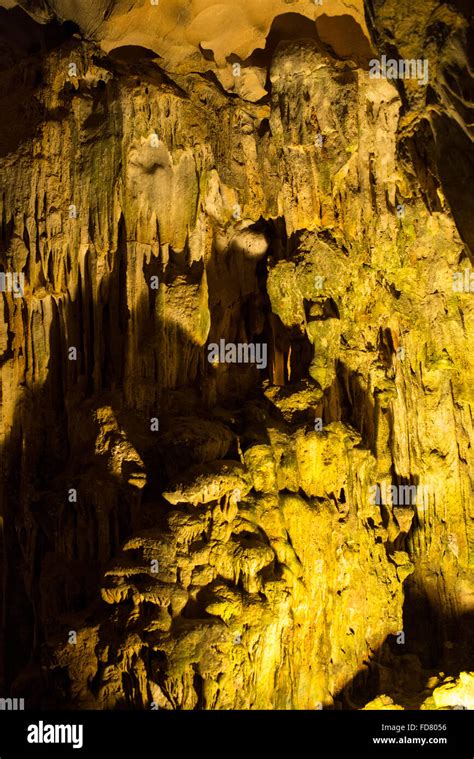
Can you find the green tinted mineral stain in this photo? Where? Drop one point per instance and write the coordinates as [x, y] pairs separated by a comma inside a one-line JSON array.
[[325, 171]]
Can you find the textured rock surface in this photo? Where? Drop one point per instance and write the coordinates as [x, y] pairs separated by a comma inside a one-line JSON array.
[[187, 534]]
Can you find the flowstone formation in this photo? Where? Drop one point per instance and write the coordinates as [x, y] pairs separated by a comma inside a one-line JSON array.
[[236, 355]]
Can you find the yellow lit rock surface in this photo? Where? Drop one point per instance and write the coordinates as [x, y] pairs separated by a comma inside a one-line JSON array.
[[454, 693], [382, 703], [209, 529]]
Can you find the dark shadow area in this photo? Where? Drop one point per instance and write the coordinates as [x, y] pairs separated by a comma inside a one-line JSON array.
[[284, 28], [348, 401], [441, 148], [132, 54], [454, 157], [401, 670], [345, 38], [21, 36], [22, 43]]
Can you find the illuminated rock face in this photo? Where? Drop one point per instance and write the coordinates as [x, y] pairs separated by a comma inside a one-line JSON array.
[[182, 531]]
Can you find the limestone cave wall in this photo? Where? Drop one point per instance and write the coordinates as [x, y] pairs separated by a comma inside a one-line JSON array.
[[191, 534]]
